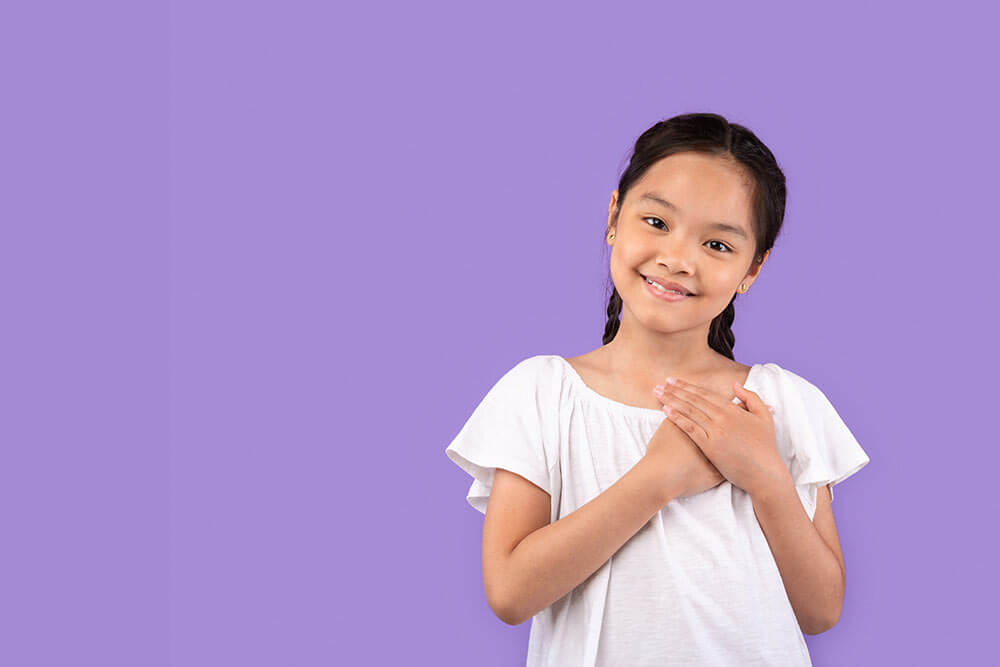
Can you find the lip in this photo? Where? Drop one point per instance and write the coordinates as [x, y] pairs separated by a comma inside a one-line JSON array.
[[666, 296]]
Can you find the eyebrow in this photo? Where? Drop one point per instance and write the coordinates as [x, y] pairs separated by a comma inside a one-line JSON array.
[[723, 226]]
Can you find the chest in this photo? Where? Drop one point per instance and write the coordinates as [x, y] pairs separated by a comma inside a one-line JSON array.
[[631, 392]]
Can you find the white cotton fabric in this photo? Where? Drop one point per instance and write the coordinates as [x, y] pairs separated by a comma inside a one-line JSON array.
[[697, 585]]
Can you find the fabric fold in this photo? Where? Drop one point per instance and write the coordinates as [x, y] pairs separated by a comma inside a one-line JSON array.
[[506, 431], [824, 450]]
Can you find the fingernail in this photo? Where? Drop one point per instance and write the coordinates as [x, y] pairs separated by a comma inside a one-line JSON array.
[[672, 380], [658, 390]]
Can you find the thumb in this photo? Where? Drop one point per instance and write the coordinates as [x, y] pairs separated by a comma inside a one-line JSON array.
[[751, 400]]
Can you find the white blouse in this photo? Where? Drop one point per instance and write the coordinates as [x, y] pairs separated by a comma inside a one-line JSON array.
[[698, 584]]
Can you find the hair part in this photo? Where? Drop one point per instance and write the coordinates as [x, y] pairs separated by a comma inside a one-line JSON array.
[[710, 134]]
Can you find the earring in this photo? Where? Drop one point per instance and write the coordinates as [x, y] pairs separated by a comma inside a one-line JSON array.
[[743, 288], [611, 236]]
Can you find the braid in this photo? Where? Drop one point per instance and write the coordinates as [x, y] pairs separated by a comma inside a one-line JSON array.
[[720, 333], [614, 310]]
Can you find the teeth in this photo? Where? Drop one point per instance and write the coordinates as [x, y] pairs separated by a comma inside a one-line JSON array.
[[662, 288]]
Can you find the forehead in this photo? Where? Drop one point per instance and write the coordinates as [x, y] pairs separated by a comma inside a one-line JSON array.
[[702, 187]]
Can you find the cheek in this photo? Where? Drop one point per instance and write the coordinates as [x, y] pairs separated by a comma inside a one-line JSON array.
[[621, 269], [722, 284], [626, 260]]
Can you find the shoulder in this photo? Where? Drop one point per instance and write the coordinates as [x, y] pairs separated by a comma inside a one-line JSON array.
[[796, 393], [529, 377], [537, 367], [794, 381], [777, 374]]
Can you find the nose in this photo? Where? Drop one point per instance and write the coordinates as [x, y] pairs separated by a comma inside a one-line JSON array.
[[676, 254]]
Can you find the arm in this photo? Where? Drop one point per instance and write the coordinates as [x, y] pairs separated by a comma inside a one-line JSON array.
[[810, 567], [555, 559]]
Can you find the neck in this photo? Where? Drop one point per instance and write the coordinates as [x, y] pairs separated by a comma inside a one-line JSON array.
[[643, 354]]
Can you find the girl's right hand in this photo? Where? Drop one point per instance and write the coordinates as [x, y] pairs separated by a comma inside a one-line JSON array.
[[679, 462]]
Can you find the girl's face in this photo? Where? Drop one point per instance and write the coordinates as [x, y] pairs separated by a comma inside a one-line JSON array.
[[666, 229]]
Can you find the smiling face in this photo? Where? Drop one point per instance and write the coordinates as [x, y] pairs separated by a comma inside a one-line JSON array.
[[686, 220]]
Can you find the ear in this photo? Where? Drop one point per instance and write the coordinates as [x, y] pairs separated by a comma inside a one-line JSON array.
[[755, 269], [611, 215]]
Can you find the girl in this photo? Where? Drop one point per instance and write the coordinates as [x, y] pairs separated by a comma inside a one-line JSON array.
[[639, 521]]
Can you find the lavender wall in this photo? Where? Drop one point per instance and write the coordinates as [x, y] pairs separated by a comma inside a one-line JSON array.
[[260, 261]]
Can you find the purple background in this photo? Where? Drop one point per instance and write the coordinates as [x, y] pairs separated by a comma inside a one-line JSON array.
[[262, 260]]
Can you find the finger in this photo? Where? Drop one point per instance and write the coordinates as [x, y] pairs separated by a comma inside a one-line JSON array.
[[687, 408], [753, 400], [706, 402], [746, 407], [694, 431], [706, 395]]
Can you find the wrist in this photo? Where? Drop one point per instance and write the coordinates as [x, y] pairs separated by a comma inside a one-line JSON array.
[[775, 487], [660, 488]]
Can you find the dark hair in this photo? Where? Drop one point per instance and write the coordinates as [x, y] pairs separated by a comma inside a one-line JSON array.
[[711, 134]]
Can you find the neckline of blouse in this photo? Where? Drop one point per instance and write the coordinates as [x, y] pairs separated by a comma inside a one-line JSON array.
[[625, 407]]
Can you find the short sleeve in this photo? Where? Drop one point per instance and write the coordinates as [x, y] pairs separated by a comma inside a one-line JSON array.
[[824, 449], [505, 431]]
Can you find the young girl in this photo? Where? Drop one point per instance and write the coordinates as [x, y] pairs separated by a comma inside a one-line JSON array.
[[638, 521]]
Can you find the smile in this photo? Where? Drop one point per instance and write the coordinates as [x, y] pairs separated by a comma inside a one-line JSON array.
[[664, 294]]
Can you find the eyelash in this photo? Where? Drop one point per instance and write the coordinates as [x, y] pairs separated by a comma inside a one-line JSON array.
[[650, 217]]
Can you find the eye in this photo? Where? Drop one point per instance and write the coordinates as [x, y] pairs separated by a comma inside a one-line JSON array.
[[726, 246], [728, 249]]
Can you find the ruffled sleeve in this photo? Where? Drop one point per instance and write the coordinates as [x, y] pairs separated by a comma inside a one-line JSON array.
[[506, 431], [824, 451]]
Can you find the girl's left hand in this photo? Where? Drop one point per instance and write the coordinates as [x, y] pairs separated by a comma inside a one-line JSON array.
[[739, 441]]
